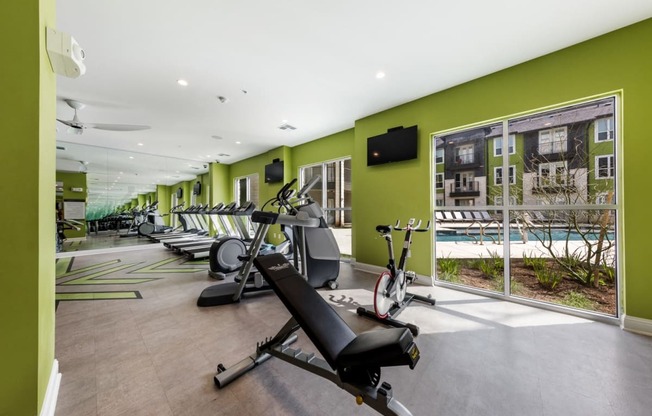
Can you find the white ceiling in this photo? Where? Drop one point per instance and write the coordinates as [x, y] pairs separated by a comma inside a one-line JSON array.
[[311, 64]]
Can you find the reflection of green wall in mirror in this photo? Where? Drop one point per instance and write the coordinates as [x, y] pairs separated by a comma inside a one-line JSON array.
[[164, 201], [141, 200], [76, 181]]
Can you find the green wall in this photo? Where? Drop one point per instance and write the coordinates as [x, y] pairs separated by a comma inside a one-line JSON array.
[[617, 61], [256, 164], [28, 89], [335, 146], [220, 183]]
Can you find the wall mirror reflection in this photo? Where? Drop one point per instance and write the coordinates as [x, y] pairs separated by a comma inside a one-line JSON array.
[[102, 194]]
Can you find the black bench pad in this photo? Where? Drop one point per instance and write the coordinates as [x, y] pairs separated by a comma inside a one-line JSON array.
[[325, 328], [384, 348], [337, 343]]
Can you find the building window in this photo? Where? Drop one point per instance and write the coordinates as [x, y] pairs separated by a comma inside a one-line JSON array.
[[465, 202], [439, 181], [439, 202], [498, 175], [604, 167], [464, 182], [552, 141], [498, 200], [511, 144], [464, 154], [439, 156], [553, 173], [604, 129]]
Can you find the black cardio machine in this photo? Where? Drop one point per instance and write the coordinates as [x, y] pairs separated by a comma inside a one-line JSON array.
[[316, 252]]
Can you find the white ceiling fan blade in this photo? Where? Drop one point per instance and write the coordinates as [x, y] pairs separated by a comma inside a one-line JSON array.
[[66, 122], [116, 127]]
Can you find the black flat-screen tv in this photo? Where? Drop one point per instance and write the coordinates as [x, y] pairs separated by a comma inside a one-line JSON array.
[[274, 172], [180, 193], [196, 189], [396, 145]]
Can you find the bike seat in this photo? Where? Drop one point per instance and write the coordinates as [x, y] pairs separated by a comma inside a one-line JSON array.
[[384, 229]]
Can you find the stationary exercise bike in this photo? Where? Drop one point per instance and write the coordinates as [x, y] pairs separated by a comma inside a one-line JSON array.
[[390, 294]]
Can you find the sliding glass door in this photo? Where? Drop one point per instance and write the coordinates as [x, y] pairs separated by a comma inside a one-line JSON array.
[[333, 193]]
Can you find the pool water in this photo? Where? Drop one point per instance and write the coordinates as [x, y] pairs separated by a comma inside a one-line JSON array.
[[515, 236]]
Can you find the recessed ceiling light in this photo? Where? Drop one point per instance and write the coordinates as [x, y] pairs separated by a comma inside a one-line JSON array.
[[238, 142], [140, 144], [380, 75], [131, 157], [182, 82]]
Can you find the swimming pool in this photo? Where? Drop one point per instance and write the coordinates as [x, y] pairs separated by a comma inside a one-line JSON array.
[[515, 236]]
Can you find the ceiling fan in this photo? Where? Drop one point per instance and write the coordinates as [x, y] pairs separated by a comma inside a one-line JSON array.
[[77, 126]]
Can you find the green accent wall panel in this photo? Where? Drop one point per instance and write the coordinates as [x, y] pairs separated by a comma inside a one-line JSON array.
[[335, 146], [28, 88], [220, 183]]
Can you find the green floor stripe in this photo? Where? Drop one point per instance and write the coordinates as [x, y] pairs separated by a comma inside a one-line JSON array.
[[63, 266], [98, 296], [84, 269], [195, 262], [92, 279], [154, 268]]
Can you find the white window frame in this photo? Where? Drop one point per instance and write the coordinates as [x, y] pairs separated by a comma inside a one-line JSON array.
[[610, 129], [437, 175], [511, 145], [553, 140], [512, 174], [236, 188], [465, 153], [439, 159], [460, 177], [553, 169], [610, 168]]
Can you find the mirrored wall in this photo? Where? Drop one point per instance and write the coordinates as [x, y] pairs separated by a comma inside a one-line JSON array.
[[114, 180]]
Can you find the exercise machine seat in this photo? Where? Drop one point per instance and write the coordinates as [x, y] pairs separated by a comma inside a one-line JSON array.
[[325, 328], [337, 343], [383, 348]]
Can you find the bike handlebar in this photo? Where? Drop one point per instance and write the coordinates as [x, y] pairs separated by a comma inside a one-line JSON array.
[[410, 226]]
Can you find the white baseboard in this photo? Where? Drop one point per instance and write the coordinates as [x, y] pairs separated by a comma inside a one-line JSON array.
[[638, 325], [371, 268], [52, 393]]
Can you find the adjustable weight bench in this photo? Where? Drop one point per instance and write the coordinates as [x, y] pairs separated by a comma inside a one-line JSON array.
[[351, 361]]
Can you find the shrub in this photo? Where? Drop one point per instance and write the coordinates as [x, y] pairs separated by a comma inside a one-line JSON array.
[[547, 277], [449, 269], [577, 300], [534, 262]]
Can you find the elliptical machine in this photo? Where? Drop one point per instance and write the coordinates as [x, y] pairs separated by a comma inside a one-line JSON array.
[[153, 223], [315, 248]]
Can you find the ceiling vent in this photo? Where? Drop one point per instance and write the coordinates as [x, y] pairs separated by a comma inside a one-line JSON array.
[[286, 126], [61, 148], [224, 155]]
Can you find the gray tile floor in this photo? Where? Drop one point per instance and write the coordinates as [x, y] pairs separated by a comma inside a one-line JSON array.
[[157, 355]]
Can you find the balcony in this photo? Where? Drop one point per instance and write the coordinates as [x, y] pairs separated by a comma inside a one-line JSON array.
[[461, 190]]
